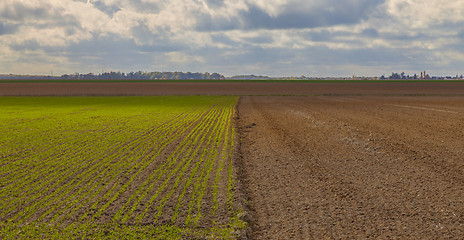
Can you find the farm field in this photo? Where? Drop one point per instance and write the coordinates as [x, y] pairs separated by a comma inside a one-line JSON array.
[[233, 88], [353, 167], [294, 160], [118, 167]]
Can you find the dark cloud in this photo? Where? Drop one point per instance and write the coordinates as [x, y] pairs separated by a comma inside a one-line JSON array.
[[109, 10], [143, 33], [206, 23], [262, 39], [103, 45], [460, 34], [139, 6], [370, 32], [214, 3], [154, 42], [222, 38], [258, 55], [294, 16], [26, 45], [45, 16], [18, 12], [110, 51], [319, 36], [8, 28]]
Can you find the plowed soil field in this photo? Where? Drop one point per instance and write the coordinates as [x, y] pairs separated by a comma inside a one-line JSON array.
[[353, 167], [230, 88]]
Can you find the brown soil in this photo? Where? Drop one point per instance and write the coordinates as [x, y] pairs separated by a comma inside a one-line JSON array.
[[353, 167], [230, 88]]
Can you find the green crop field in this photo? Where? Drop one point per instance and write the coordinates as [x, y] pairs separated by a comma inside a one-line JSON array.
[[118, 167]]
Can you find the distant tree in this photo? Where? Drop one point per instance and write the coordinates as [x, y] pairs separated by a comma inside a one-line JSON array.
[[144, 75], [215, 76], [395, 76]]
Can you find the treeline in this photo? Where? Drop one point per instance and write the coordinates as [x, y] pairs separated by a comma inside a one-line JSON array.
[[119, 75], [424, 75], [146, 75]]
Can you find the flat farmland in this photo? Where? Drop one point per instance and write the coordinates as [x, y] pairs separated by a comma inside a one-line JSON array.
[[266, 160], [338, 167], [118, 167], [154, 88]]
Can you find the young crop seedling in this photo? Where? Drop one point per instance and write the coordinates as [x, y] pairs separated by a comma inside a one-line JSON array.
[[112, 167]]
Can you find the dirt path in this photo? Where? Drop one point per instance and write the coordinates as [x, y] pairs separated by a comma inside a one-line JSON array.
[[353, 167]]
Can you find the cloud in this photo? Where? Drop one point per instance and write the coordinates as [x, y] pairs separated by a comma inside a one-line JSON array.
[[183, 58], [309, 14], [424, 14], [23, 10], [7, 28], [280, 14], [274, 37], [110, 10], [370, 32]]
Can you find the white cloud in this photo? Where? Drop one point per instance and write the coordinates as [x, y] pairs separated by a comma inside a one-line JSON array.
[[424, 14], [227, 34]]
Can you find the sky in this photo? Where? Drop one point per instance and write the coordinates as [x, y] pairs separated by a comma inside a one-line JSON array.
[[232, 37]]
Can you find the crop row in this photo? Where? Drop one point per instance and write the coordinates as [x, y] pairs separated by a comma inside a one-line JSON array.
[[159, 161]]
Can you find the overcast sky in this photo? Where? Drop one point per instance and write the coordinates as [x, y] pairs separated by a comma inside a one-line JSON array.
[[267, 37]]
